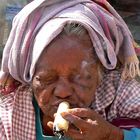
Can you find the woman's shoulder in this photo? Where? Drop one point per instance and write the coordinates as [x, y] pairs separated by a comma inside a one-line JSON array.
[[8, 99]]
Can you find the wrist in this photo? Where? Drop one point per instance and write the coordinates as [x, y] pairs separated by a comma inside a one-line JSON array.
[[116, 134]]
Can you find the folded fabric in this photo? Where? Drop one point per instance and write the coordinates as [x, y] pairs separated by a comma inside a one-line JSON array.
[[126, 123]]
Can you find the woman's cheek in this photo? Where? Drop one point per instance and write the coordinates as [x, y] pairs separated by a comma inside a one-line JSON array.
[[43, 97]]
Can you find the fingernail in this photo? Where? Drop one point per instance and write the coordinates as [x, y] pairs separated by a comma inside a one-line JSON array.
[[66, 116]]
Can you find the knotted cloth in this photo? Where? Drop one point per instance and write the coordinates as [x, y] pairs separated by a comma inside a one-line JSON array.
[[38, 23]]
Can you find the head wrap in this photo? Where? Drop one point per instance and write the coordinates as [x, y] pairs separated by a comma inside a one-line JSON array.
[[41, 21]]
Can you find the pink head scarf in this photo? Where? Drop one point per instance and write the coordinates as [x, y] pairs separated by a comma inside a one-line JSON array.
[[42, 20]]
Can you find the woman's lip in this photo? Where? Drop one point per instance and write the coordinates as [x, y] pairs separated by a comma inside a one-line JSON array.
[[56, 104]]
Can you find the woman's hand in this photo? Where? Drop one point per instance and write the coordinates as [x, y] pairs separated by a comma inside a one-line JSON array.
[[88, 125]]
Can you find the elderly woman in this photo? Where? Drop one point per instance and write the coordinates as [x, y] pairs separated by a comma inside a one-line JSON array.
[[77, 51]]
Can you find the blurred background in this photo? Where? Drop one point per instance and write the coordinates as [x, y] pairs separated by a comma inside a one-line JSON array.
[[8, 9], [130, 11]]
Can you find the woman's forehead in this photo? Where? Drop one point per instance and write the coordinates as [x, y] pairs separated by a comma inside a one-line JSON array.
[[67, 48], [68, 53]]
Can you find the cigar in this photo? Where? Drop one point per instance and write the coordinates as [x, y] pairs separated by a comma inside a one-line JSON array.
[[61, 125]]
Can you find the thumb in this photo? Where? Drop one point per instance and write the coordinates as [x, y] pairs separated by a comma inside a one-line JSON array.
[[50, 124]]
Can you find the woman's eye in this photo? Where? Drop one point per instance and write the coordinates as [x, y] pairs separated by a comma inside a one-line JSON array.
[[77, 77], [88, 77], [50, 80], [45, 80], [83, 78], [83, 81]]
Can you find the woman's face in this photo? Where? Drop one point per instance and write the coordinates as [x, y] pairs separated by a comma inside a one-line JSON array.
[[66, 71]]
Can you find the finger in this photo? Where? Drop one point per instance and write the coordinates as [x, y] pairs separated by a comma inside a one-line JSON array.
[[76, 135], [82, 112], [54, 115], [50, 124], [75, 120]]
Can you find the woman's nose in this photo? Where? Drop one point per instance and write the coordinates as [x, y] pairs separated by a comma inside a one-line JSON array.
[[63, 89]]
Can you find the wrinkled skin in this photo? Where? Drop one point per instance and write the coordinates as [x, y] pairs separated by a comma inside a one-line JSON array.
[[66, 71]]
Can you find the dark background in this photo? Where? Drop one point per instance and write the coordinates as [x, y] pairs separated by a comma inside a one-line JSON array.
[[130, 11]]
